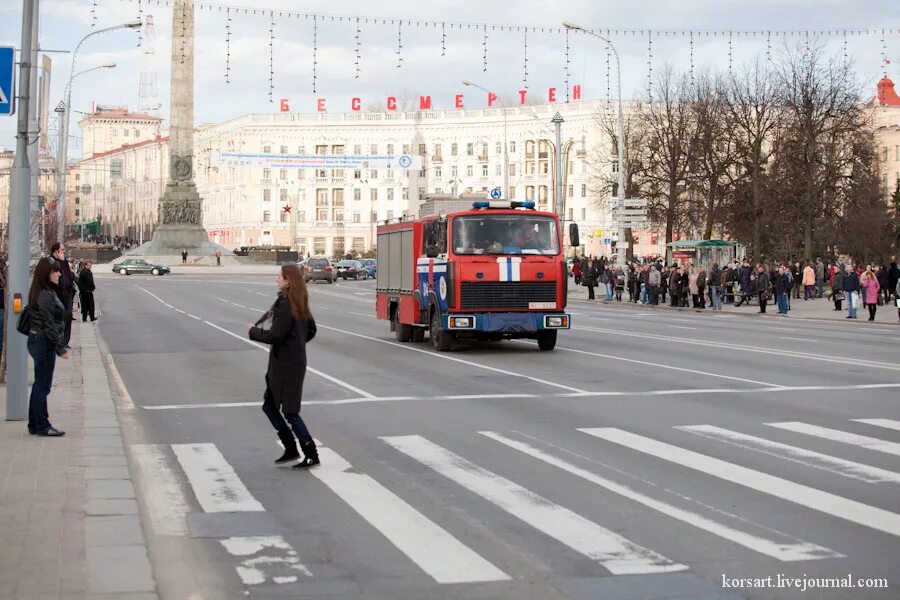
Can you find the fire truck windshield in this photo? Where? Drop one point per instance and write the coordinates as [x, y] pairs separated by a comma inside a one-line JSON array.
[[505, 234]]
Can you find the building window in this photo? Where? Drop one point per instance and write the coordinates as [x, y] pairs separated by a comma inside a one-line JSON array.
[[357, 174], [529, 192], [301, 149], [359, 245], [437, 149], [584, 190], [571, 190], [896, 152], [373, 174], [283, 194], [405, 148], [390, 194], [267, 149], [499, 170], [512, 147], [357, 149], [373, 195], [356, 216], [321, 197], [301, 216], [338, 215], [267, 216], [267, 195], [512, 170], [542, 194], [437, 172], [373, 149], [543, 167], [282, 174], [125, 132], [454, 171], [571, 214], [469, 171], [422, 172], [357, 194], [267, 173], [373, 218], [615, 166], [390, 215], [285, 216], [422, 150], [571, 167], [470, 149], [405, 194], [884, 153], [529, 148], [321, 214], [454, 149], [529, 167], [319, 245], [390, 149], [337, 197], [77, 212], [484, 170], [137, 133]]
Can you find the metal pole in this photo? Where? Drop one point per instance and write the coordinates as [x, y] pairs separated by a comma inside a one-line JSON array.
[[558, 121], [20, 231], [506, 191], [621, 154], [34, 132]]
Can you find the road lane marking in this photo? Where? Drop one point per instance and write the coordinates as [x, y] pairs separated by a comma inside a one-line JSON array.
[[745, 348], [661, 366], [361, 314], [786, 552], [167, 506], [845, 437], [453, 359], [886, 423], [180, 311], [273, 559], [443, 557], [830, 504], [334, 380], [616, 553], [344, 296], [796, 339], [680, 327], [195, 317], [215, 483], [419, 398], [816, 460]]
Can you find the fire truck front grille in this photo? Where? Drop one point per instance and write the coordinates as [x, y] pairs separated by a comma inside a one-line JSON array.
[[506, 294]]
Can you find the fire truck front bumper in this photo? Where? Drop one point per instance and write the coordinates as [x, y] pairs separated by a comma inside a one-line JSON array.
[[507, 324]]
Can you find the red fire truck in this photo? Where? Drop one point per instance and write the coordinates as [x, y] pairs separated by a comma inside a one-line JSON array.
[[494, 271]]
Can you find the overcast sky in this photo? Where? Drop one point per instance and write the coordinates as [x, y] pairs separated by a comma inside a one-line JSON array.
[[424, 70]]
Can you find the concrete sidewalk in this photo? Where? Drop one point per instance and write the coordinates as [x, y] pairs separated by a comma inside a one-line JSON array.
[[69, 520], [816, 309]]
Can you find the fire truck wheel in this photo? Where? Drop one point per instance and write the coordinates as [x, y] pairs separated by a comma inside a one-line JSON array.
[[440, 339], [402, 331], [418, 334], [547, 340]]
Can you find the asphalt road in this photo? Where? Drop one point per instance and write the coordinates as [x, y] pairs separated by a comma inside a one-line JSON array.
[[651, 455]]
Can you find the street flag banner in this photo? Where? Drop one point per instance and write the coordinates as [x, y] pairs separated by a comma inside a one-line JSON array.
[[354, 162]]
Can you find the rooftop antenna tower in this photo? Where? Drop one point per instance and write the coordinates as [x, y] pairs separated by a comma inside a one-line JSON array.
[[148, 94]]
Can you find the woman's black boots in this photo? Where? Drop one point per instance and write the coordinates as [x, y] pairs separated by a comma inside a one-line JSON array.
[[290, 447], [310, 455]]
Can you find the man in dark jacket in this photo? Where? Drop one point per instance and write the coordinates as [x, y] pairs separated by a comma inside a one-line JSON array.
[[86, 289], [837, 287], [782, 287], [797, 275], [66, 288], [762, 287], [851, 290], [745, 276], [893, 276]]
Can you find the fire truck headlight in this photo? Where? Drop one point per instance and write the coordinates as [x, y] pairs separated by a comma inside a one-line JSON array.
[[461, 323], [555, 322]]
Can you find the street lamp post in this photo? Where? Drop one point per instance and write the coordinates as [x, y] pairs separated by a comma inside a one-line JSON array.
[[558, 121], [620, 143], [63, 149], [506, 191]]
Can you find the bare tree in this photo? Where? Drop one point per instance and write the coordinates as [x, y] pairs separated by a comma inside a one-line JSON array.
[[671, 131]]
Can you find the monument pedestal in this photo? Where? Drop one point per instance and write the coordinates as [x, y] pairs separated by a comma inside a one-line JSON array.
[[171, 238]]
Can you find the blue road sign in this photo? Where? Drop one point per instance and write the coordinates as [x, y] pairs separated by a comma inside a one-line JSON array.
[[496, 193], [7, 80]]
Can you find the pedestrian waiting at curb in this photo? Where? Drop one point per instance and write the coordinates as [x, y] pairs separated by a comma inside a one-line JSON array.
[[46, 341], [86, 290], [292, 327], [871, 287], [851, 290]]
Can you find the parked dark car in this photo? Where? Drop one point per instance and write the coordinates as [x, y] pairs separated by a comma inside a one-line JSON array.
[[371, 266], [138, 266], [351, 269], [319, 269]]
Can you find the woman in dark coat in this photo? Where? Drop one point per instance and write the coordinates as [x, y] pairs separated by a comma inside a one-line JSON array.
[[292, 327], [589, 278]]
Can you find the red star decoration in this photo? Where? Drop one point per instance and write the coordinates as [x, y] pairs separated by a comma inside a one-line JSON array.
[[286, 208]]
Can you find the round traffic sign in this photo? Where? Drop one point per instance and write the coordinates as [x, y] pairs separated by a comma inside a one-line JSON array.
[[496, 193]]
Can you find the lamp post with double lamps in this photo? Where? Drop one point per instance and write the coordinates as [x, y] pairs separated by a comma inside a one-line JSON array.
[[620, 143], [503, 107], [63, 149]]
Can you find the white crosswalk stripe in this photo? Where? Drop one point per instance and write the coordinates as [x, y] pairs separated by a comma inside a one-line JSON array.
[[216, 486], [825, 502], [615, 552], [434, 550], [845, 437], [783, 551], [886, 423], [816, 460]]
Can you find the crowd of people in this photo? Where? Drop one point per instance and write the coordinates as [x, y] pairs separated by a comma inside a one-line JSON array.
[[739, 283], [118, 242]]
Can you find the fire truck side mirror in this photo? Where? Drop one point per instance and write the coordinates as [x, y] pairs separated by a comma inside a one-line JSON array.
[[574, 239]]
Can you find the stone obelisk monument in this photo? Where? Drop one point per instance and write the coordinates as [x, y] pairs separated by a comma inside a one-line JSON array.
[[180, 214]]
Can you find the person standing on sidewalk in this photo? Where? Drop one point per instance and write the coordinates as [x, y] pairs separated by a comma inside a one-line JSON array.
[[851, 290], [762, 287], [820, 278], [292, 328], [782, 287], [837, 287], [871, 288], [46, 341], [66, 287], [654, 280], [714, 281], [589, 278], [809, 282], [86, 289], [797, 276]]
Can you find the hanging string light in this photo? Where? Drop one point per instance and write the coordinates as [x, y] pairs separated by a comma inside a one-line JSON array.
[[183, 29], [94, 13], [730, 53], [846, 57], [525, 65], [315, 52], [141, 19], [357, 48], [691, 69], [271, 56], [608, 80], [567, 65], [769, 46], [484, 44], [228, 45], [443, 40], [884, 58], [399, 44]]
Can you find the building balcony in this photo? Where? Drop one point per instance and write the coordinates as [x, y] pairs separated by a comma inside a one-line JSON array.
[[437, 158], [266, 182], [482, 158]]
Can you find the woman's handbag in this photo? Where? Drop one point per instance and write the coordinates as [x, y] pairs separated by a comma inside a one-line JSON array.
[[24, 323]]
